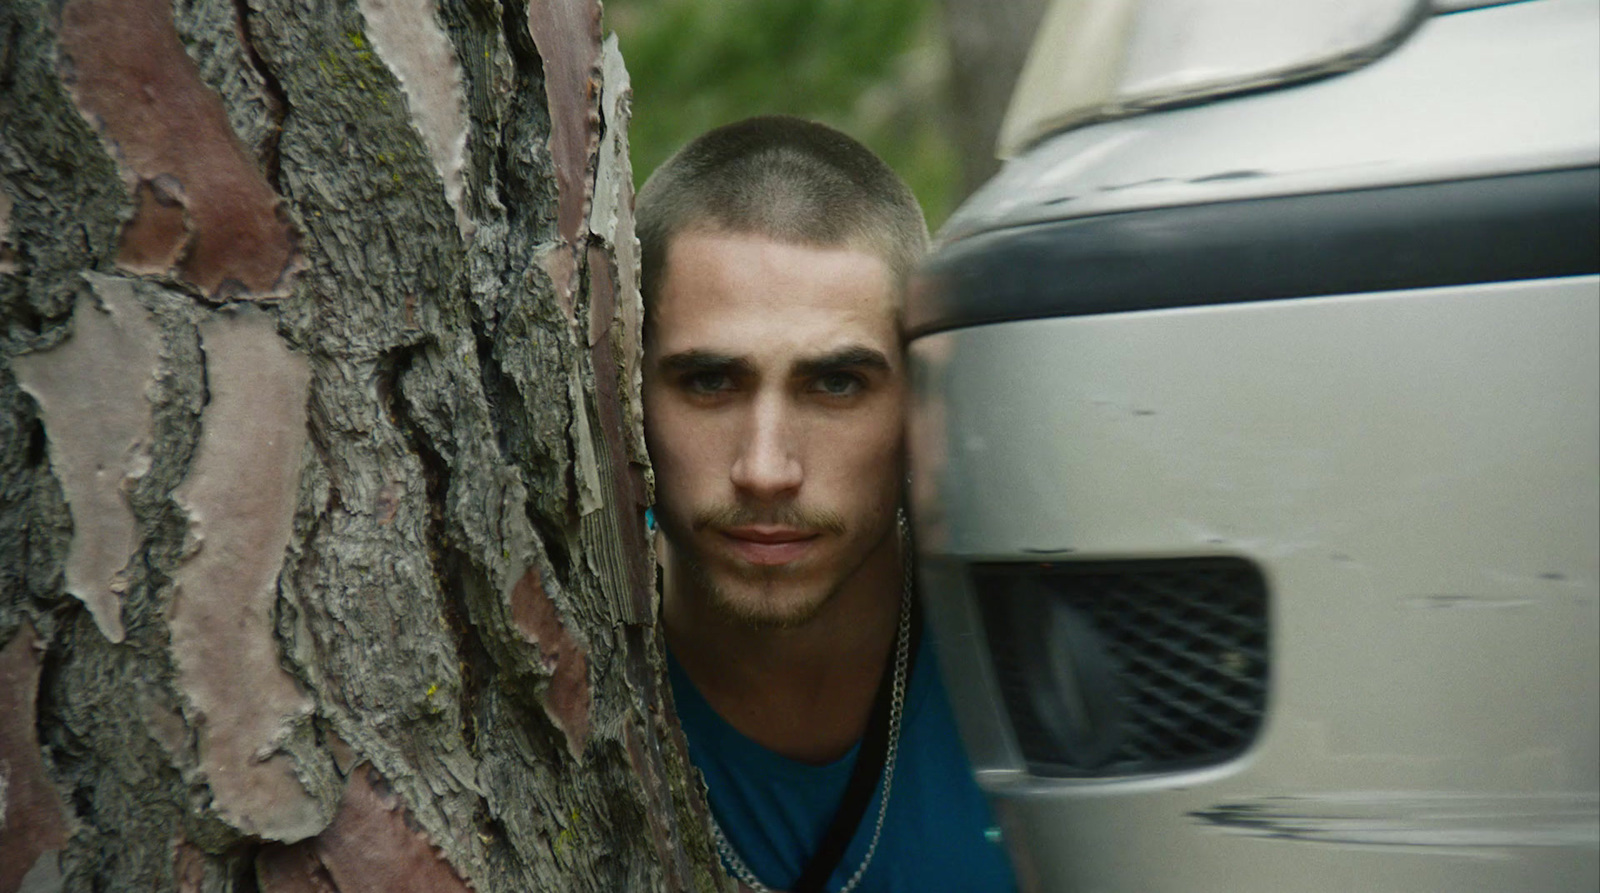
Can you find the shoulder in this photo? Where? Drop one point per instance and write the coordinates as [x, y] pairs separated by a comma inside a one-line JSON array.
[[945, 833]]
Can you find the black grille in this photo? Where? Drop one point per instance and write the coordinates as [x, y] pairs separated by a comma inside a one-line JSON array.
[[1128, 667]]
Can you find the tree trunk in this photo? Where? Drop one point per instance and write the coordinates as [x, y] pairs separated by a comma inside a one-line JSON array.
[[989, 42], [321, 472]]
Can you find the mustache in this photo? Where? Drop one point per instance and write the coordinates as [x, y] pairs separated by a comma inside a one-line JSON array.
[[794, 516]]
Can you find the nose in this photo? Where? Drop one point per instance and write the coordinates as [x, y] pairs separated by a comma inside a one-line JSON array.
[[768, 464]]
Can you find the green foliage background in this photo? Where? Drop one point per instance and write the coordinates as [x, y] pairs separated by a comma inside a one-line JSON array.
[[872, 68]]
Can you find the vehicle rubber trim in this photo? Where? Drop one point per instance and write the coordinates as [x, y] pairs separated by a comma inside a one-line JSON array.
[[1458, 232]]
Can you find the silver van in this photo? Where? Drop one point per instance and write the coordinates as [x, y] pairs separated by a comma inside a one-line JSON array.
[[1256, 449]]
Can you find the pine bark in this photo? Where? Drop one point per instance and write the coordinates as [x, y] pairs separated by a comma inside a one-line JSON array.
[[322, 560]]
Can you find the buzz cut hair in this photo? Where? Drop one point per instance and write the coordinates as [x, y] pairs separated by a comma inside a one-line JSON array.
[[785, 178]]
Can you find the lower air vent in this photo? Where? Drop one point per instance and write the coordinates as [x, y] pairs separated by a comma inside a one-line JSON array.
[[1128, 667]]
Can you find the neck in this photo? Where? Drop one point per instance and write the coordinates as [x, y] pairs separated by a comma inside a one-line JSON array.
[[804, 692]]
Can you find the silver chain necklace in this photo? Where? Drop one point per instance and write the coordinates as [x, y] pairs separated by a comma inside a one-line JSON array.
[[902, 656]]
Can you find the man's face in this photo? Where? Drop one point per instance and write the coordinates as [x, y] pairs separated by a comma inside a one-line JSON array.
[[774, 393]]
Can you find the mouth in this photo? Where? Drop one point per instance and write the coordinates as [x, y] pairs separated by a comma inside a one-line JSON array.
[[769, 545]]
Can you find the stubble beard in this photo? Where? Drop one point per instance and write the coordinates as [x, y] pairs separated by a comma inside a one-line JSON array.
[[763, 598], [760, 602]]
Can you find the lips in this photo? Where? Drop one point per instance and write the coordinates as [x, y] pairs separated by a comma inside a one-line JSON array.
[[764, 545]]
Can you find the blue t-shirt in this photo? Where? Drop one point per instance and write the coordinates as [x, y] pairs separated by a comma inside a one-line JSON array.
[[938, 835]]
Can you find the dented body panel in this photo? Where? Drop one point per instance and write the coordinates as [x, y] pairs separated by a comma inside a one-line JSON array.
[[1426, 513]]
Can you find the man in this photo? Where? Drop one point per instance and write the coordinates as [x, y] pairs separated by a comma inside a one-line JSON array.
[[775, 252]]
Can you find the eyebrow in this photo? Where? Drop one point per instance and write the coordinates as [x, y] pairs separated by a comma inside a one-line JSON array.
[[843, 360], [692, 361]]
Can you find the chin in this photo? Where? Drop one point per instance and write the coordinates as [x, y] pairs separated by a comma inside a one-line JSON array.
[[771, 603]]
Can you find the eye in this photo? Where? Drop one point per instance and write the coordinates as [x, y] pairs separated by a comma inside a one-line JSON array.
[[839, 384], [706, 384]]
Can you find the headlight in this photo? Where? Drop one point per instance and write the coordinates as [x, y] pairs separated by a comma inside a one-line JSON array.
[[1097, 59]]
